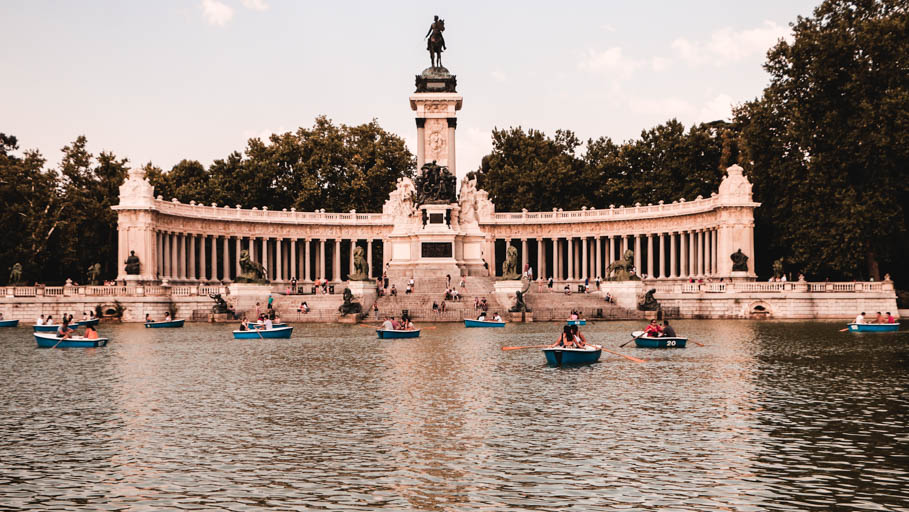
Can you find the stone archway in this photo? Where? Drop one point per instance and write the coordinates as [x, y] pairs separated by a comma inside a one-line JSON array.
[[758, 310]]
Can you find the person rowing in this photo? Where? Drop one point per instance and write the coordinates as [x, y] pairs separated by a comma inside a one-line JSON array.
[[64, 331], [652, 330], [579, 340], [566, 339], [668, 331]]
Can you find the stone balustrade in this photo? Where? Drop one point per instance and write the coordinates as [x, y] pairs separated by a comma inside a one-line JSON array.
[[772, 287], [111, 291]]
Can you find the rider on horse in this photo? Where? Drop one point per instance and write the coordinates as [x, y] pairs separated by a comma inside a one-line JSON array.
[[435, 30]]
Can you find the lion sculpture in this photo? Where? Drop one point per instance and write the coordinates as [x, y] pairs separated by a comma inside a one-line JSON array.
[[510, 265], [250, 271], [361, 266], [623, 269]]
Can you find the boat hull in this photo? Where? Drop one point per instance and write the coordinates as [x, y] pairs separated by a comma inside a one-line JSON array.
[[51, 341], [571, 356], [577, 322], [647, 342], [45, 328], [9, 323], [165, 325], [390, 335], [83, 323], [874, 327], [482, 323], [281, 332]]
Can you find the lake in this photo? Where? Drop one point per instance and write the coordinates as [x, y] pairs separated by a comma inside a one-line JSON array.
[[764, 416]]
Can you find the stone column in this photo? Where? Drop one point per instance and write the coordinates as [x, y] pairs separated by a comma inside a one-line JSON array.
[[702, 253], [320, 272], [369, 258], [294, 268], [599, 258], [336, 261], [353, 245], [192, 256], [673, 255], [637, 254], [524, 258], [692, 256], [279, 259], [555, 259], [541, 259], [452, 125], [174, 268], [421, 155], [685, 252], [238, 245], [585, 271], [307, 265], [165, 253], [569, 241], [716, 253], [203, 255], [650, 256], [225, 260]]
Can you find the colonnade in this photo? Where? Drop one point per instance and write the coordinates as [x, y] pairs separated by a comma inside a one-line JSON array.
[[202, 257], [680, 254]]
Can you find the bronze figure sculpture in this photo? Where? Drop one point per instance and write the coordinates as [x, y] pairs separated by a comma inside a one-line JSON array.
[[132, 264], [435, 42], [739, 261]]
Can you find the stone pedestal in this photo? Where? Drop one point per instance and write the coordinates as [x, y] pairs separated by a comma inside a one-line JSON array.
[[243, 296], [625, 293], [347, 319], [526, 317], [364, 292], [505, 291]]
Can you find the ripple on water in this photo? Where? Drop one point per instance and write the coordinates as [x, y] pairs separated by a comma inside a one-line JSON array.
[[766, 416]]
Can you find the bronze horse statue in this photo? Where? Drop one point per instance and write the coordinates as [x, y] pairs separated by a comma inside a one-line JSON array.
[[436, 42]]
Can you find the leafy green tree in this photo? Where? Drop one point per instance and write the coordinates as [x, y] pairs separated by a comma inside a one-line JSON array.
[[827, 145], [31, 209]]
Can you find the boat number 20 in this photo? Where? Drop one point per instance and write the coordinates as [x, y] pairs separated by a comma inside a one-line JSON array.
[[670, 343]]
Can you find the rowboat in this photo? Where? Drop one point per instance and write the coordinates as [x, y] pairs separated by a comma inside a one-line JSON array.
[[163, 325], [9, 323], [394, 334], [93, 322], [559, 356], [280, 332], [483, 323], [660, 342], [45, 328], [577, 322], [51, 341], [874, 327]]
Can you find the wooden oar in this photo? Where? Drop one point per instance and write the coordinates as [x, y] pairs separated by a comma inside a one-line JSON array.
[[632, 339], [636, 360], [528, 346], [844, 330]]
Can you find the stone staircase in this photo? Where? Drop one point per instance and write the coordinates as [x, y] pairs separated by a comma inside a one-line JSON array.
[[556, 306], [323, 308], [428, 290]]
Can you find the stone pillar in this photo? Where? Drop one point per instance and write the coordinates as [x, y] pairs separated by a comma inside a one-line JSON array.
[[673, 255], [174, 268], [159, 245], [203, 255], [353, 245], [369, 258], [165, 255], [685, 240], [524, 258], [555, 259], [585, 270], [716, 253], [294, 268], [637, 255], [692, 256], [238, 245], [421, 152], [541, 259], [279, 259], [452, 125], [225, 260], [320, 272], [650, 256], [599, 258], [192, 257], [307, 265], [570, 241], [702, 253], [336, 261]]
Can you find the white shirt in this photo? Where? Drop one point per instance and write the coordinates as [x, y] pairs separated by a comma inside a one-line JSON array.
[[39, 321], [860, 319], [386, 325], [497, 318], [268, 324]]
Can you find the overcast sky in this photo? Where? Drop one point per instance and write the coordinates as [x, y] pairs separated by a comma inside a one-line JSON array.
[[172, 79]]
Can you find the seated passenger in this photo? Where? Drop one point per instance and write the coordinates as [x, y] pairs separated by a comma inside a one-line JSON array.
[[653, 329], [890, 319], [482, 317], [668, 331], [387, 325], [573, 315], [90, 333], [566, 339], [496, 317], [579, 340]]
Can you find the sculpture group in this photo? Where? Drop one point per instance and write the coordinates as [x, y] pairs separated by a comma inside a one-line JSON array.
[[623, 269], [250, 271]]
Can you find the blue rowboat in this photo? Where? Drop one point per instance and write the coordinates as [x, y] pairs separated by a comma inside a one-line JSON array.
[[658, 342], [577, 322], [874, 327], [276, 326], [281, 332], [388, 335], [164, 325], [93, 322], [483, 323], [46, 328], [572, 356], [9, 323], [51, 341]]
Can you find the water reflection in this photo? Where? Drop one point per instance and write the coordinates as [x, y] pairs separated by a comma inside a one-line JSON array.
[[764, 416]]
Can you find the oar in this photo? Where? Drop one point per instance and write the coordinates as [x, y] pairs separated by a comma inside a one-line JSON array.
[[59, 342], [636, 360], [844, 330], [528, 346], [632, 339]]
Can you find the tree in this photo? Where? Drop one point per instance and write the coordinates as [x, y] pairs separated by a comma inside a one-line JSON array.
[[827, 145]]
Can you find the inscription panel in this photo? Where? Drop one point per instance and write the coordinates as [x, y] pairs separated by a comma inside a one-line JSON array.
[[435, 249]]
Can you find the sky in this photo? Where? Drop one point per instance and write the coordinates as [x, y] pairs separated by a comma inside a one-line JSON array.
[[195, 79]]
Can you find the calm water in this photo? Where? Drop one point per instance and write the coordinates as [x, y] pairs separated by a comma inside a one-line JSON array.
[[766, 416]]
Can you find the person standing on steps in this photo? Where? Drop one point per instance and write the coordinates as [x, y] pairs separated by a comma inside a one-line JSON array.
[[375, 309]]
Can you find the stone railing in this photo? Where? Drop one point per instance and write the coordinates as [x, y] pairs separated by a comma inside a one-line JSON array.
[[636, 212], [228, 213], [772, 287], [111, 291]]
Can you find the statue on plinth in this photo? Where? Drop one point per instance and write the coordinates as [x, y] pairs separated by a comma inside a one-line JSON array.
[[350, 307], [510, 265], [220, 306], [251, 271], [739, 261], [132, 264], [623, 269], [777, 268], [647, 302], [361, 266], [15, 274], [435, 42], [94, 271], [435, 185]]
